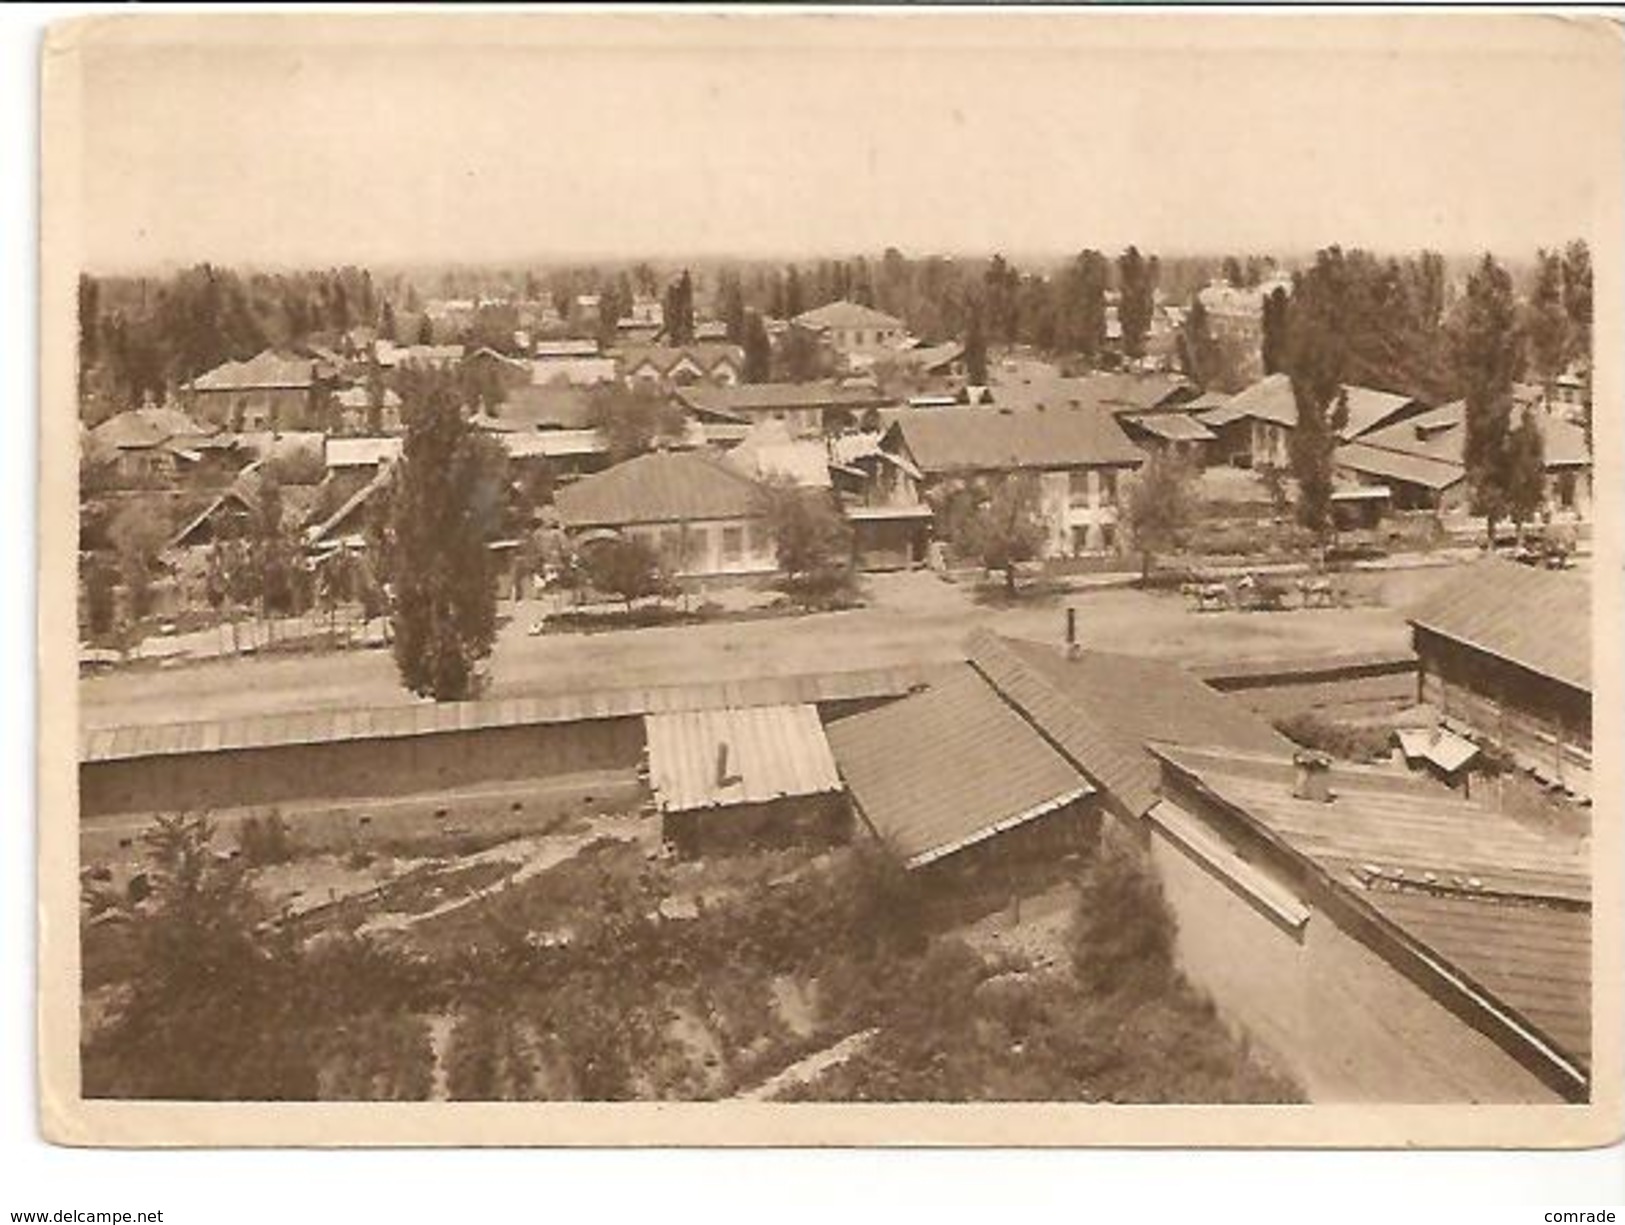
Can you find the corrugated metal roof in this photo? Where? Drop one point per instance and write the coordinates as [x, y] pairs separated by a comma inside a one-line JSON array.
[[1506, 907], [737, 755], [947, 767], [945, 440], [307, 727], [1101, 709], [1535, 618]]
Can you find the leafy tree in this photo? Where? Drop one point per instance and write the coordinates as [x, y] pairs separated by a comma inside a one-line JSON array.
[[1526, 471], [1487, 357], [733, 307], [812, 542], [758, 350], [1233, 273], [1081, 313], [1577, 296], [1137, 280], [630, 569], [1276, 330], [633, 422], [1008, 528], [100, 601], [680, 311], [425, 331], [443, 505], [1200, 355], [975, 350], [138, 534], [794, 299], [1317, 361], [1161, 506], [802, 357], [1546, 322], [214, 1011]]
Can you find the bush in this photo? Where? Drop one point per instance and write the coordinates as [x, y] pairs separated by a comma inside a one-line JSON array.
[[265, 841], [1346, 741], [1122, 934]]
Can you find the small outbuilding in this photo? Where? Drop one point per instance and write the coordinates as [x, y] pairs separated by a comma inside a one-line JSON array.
[[954, 771], [743, 776]]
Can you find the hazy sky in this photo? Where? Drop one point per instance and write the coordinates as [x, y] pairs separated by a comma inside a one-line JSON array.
[[759, 135]]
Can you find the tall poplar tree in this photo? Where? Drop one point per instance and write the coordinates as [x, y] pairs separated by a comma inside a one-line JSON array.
[[1487, 365], [445, 501]]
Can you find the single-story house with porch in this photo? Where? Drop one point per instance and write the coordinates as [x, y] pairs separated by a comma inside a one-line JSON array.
[[699, 511]]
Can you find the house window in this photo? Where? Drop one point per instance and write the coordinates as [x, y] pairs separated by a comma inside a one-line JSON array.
[[1108, 536], [1108, 486], [733, 545], [671, 544]]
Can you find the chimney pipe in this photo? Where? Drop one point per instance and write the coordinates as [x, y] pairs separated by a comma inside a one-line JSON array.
[[1312, 777]]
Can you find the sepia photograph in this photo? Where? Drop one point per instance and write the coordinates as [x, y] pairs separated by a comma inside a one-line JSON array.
[[830, 578]]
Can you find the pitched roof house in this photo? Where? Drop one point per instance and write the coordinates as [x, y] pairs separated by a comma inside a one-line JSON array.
[[1423, 458], [1075, 454], [695, 508], [807, 408], [270, 390], [668, 366]]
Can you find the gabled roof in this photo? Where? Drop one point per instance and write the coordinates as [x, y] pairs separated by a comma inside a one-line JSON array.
[[932, 357], [1440, 434], [706, 355], [1269, 399], [1119, 392], [344, 517], [1370, 408], [268, 369], [1172, 427], [140, 428], [660, 487], [1506, 908], [769, 451], [846, 315], [1535, 618], [949, 767], [1101, 709], [943, 440], [1398, 466], [749, 399]]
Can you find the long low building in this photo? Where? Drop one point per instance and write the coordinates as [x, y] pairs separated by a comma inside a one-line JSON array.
[[1504, 654], [1378, 937]]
